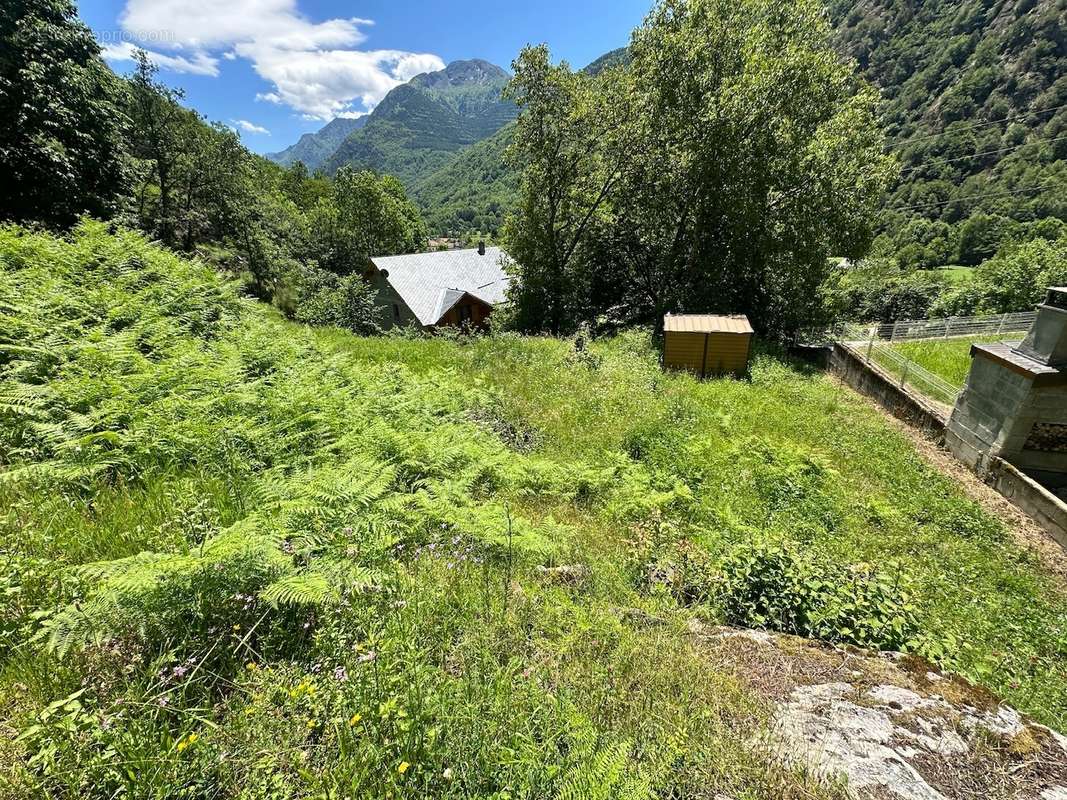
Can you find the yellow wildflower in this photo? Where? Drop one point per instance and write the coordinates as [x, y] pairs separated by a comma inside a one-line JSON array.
[[312, 723], [355, 719], [251, 666], [403, 767]]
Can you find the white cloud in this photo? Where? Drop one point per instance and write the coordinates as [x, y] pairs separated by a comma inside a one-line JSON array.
[[411, 64], [315, 68], [250, 127], [199, 64]]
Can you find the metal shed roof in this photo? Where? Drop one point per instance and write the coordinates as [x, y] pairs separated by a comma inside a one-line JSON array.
[[431, 283], [707, 323]]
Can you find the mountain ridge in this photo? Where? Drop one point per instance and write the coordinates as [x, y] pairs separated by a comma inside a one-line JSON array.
[[420, 125], [314, 148]]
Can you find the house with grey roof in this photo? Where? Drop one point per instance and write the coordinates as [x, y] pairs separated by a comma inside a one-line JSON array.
[[453, 287]]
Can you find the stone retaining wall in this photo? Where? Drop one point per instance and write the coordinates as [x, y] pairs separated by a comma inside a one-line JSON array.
[[1030, 497], [871, 380]]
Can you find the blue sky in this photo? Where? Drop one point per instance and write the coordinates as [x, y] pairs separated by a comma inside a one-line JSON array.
[[275, 69]]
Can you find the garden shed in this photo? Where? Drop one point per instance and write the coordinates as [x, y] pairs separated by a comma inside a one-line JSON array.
[[706, 344]]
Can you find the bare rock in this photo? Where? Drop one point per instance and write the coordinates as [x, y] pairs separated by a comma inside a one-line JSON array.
[[891, 741], [721, 633], [575, 575], [891, 726]]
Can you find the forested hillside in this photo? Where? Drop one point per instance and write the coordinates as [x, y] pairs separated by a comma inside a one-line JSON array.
[[78, 139], [418, 127], [314, 149], [975, 104], [477, 188], [472, 192]]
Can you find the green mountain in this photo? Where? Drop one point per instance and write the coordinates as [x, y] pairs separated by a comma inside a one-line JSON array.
[[422, 124], [314, 148], [610, 59], [475, 189]]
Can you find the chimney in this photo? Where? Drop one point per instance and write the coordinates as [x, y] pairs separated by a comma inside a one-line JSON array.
[[481, 248], [1047, 341]]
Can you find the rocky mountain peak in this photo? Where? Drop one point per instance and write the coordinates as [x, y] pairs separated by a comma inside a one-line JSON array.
[[473, 72]]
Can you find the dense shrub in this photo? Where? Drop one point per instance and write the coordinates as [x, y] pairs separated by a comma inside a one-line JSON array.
[[879, 292], [1015, 280], [345, 302], [767, 584]]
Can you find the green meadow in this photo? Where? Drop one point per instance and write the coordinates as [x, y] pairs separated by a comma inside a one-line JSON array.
[[245, 558]]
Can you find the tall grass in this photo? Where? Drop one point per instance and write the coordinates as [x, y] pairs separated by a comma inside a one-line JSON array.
[[246, 558]]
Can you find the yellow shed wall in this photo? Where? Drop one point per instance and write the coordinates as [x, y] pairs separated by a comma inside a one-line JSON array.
[[727, 352]]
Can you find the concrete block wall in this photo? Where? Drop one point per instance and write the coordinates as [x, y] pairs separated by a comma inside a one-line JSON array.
[[983, 419], [996, 414], [1040, 504]]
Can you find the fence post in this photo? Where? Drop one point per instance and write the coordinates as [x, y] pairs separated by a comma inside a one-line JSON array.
[[870, 343], [1000, 328], [904, 375]]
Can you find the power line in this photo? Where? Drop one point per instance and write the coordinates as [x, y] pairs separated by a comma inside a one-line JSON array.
[[969, 197], [976, 125], [938, 162]]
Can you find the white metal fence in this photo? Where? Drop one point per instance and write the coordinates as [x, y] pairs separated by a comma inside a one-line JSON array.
[[954, 327], [903, 370], [875, 343]]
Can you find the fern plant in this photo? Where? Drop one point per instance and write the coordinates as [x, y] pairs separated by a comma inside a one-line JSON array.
[[598, 769]]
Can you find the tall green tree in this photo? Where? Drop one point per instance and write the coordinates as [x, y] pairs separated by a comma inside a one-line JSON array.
[[160, 137], [568, 146], [367, 215], [764, 156], [60, 135], [719, 174]]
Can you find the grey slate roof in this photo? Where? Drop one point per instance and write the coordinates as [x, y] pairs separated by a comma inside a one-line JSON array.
[[431, 283]]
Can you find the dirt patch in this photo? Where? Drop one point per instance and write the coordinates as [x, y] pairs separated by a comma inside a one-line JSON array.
[[1029, 535]]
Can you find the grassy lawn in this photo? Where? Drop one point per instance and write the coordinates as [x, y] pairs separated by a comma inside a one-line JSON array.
[[956, 275], [247, 558], [949, 359]]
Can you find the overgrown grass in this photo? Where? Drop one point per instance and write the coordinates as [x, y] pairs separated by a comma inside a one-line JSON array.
[[245, 558]]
